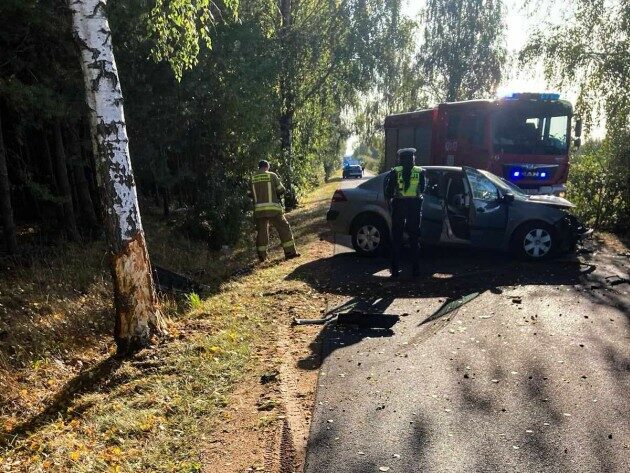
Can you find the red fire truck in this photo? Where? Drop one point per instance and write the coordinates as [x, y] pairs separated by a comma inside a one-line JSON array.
[[524, 138]]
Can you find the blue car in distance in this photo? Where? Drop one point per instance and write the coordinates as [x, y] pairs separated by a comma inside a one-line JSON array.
[[352, 168]]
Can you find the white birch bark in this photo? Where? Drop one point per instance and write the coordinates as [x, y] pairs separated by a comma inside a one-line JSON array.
[[137, 313]]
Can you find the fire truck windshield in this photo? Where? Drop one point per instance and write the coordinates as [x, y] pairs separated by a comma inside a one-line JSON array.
[[537, 128]]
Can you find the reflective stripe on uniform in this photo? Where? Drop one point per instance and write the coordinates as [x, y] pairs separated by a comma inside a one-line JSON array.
[[288, 244], [267, 206], [261, 248], [261, 178]]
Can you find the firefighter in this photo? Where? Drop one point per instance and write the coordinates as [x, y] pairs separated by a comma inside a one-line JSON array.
[[266, 190], [403, 188]]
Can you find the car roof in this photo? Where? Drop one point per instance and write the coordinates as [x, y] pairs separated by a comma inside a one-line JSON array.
[[429, 168], [442, 168]]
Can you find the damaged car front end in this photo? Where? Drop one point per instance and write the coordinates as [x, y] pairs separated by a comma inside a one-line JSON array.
[[570, 231]]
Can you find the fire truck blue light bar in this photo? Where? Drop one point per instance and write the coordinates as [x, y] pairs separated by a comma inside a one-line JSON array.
[[533, 96]]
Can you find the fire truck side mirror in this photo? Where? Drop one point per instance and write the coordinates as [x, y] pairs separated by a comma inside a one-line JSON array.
[[578, 127]]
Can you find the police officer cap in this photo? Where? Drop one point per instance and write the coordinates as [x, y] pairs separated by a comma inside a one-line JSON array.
[[405, 152], [263, 163]]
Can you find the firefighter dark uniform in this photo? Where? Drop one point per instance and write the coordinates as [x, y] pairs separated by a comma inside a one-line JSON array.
[[266, 190], [406, 208]]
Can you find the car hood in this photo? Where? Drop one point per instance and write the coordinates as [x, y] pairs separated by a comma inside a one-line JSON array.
[[550, 200]]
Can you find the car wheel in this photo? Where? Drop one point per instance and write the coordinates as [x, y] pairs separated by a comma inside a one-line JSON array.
[[370, 237], [535, 241]]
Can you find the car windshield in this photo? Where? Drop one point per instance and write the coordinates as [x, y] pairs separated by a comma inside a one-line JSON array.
[[504, 184], [532, 129]]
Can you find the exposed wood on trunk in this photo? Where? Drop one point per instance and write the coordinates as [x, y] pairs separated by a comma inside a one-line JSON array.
[[61, 171], [8, 225], [135, 297], [138, 317]]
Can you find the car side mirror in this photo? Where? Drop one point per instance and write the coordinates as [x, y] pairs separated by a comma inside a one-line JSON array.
[[508, 197]]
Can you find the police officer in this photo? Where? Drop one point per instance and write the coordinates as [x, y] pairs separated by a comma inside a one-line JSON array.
[[266, 190], [404, 186]]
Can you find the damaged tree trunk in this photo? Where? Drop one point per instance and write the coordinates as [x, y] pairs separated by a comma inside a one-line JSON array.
[[138, 318]]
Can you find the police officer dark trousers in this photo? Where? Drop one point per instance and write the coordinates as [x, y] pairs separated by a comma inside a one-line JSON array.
[[404, 187]]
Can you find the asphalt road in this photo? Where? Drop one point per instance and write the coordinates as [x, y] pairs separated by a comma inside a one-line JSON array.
[[533, 375]]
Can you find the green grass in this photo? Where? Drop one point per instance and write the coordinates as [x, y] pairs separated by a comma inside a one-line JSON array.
[[157, 411]]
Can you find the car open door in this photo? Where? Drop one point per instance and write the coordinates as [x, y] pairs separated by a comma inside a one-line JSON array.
[[488, 212], [432, 213]]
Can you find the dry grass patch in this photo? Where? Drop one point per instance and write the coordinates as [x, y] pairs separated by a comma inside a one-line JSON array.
[[170, 408]]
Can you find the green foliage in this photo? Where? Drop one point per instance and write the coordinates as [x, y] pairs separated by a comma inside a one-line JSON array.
[[367, 155], [180, 26], [397, 85], [461, 57], [463, 53], [589, 51], [599, 183], [194, 301]]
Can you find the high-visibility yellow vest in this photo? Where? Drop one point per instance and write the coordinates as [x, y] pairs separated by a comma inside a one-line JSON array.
[[414, 181]]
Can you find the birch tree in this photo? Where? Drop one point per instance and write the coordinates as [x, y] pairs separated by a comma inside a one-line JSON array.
[[138, 318], [463, 52]]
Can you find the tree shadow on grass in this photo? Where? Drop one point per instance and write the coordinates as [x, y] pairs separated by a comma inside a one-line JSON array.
[[87, 381]]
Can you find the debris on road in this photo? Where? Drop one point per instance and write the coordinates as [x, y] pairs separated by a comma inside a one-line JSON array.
[[354, 317], [449, 306], [615, 280]]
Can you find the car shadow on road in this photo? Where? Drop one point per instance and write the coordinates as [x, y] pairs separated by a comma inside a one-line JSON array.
[[529, 395], [452, 274], [334, 335]]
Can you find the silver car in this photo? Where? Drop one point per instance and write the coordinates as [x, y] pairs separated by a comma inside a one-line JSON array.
[[462, 206]]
